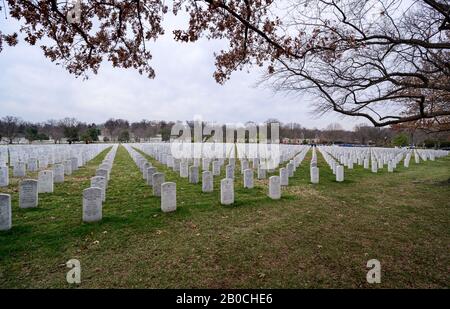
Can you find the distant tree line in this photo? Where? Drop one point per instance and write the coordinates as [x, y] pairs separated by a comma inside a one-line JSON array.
[[123, 131], [71, 130]]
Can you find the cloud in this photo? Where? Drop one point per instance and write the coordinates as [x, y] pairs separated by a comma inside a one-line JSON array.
[[35, 89]]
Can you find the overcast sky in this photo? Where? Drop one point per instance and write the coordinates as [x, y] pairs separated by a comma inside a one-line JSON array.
[[35, 89]]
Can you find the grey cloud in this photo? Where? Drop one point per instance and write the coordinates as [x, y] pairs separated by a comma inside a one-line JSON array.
[[35, 89]]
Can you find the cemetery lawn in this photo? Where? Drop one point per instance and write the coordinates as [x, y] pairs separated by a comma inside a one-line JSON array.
[[316, 236]]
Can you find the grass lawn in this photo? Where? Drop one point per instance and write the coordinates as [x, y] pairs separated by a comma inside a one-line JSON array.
[[315, 236]]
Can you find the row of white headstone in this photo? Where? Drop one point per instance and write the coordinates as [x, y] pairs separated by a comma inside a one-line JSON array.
[[167, 191], [190, 167], [275, 182], [29, 189], [26, 158], [95, 195], [338, 158]]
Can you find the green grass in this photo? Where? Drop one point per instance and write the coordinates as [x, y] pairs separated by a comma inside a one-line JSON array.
[[315, 236]]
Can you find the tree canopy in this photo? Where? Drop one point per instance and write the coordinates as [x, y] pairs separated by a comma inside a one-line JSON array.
[[385, 60]]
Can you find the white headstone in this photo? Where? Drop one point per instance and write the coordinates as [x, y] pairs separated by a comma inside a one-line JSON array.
[[170, 161], [28, 193], [81, 159], [19, 169], [366, 163], [248, 178], [339, 173], [350, 163], [32, 165], [407, 159], [255, 163], [284, 179], [229, 171], [74, 161], [374, 166], [416, 157], [150, 172], [290, 169], [193, 174], [43, 163], [99, 182], [140, 162], [176, 165], [314, 174], [103, 173], [184, 169], [4, 176], [157, 181], [168, 197], [226, 191], [5, 212], [144, 170], [333, 166], [380, 163], [45, 182], [67, 167], [274, 187], [107, 167], [261, 172], [207, 182], [92, 204], [205, 164], [196, 162], [244, 165], [58, 173], [390, 167], [216, 168]]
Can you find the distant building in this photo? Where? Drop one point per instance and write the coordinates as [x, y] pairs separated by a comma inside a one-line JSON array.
[[299, 141], [156, 139]]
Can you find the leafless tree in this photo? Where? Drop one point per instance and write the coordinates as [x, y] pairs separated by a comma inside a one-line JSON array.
[[115, 126], [10, 127], [54, 129], [383, 60]]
